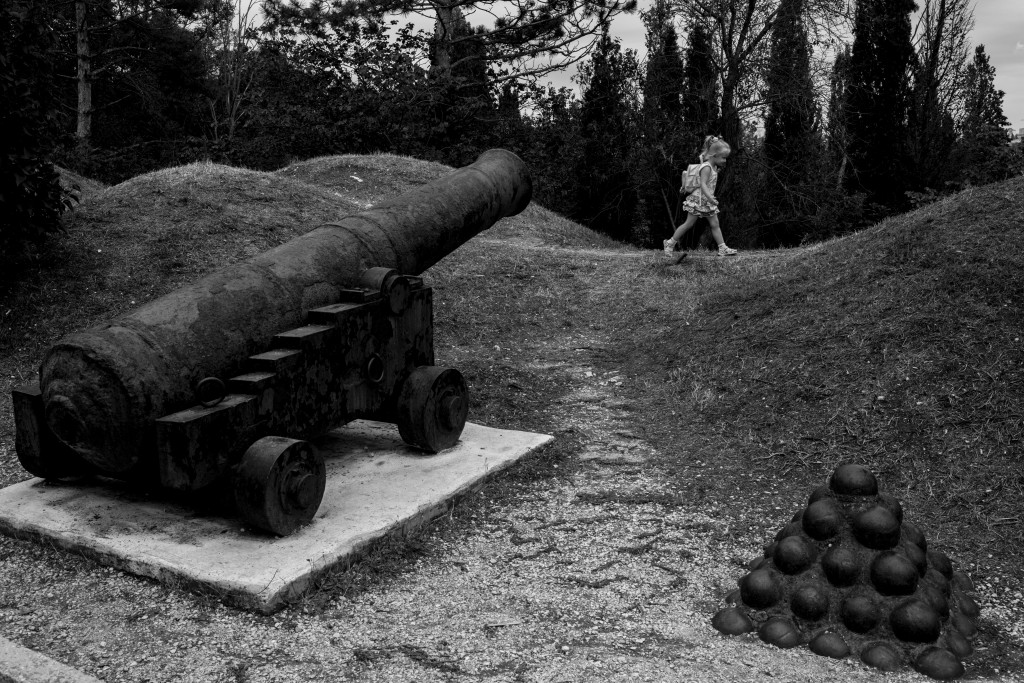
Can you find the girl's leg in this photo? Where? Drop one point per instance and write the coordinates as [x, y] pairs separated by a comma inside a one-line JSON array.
[[681, 230], [716, 230]]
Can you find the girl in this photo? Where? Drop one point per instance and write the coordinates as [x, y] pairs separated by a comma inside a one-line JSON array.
[[701, 203]]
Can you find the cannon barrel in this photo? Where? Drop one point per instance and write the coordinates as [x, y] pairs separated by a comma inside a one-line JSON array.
[[103, 387]]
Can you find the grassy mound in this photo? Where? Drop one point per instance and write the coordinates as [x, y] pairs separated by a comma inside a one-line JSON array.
[[369, 179], [900, 347], [137, 240]]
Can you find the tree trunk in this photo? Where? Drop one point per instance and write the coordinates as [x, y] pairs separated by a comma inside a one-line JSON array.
[[84, 129], [444, 28]]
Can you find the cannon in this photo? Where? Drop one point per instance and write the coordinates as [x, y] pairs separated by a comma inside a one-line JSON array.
[[221, 384]]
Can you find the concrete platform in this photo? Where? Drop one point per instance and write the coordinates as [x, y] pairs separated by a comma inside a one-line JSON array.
[[376, 485]]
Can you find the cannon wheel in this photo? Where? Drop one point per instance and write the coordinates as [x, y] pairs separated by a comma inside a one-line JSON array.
[[279, 484], [432, 408]]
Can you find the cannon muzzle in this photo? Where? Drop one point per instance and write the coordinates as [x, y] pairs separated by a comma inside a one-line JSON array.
[[102, 389]]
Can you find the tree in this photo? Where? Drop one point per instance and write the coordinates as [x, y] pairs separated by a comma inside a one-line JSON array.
[[878, 99], [838, 136], [606, 199], [792, 142], [233, 60], [30, 190], [984, 153], [699, 106], [700, 89], [941, 46], [663, 148], [462, 109]]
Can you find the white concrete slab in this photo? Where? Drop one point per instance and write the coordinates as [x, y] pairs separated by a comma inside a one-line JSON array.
[[376, 485]]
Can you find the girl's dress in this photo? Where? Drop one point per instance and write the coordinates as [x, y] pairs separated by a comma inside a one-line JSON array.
[[696, 203]]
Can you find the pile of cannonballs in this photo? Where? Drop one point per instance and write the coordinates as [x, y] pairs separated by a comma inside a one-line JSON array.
[[847, 576]]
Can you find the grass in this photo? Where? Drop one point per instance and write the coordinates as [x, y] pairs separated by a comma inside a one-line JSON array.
[[899, 347]]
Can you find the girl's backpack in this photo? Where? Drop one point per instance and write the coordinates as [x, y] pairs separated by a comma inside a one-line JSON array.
[[691, 178]]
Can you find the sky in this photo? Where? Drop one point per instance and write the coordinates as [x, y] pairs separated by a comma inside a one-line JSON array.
[[998, 25]]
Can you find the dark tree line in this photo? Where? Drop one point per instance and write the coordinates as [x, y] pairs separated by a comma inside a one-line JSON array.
[[828, 134]]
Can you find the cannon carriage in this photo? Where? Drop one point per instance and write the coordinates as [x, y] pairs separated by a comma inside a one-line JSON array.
[[198, 390]]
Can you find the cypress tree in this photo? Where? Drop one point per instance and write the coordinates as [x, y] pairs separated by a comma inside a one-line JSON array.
[[700, 111], [663, 149], [606, 198], [792, 145], [878, 99]]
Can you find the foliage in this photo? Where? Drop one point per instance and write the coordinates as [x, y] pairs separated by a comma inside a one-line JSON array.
[[530, 37], [31, 193], [606, 198]]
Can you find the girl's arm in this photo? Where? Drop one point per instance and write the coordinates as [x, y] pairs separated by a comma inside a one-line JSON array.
[[705, 175]]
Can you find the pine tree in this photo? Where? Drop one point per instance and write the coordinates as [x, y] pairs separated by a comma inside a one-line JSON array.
[[792, 144], [606, 197], [878, 99]]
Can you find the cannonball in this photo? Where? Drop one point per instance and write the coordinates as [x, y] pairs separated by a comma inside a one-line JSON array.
[[757, 563], [733, 597], [780, 632], [939, 663], [732, 621], [876, 528], [793, 555], [914, 621], [823, 519], [963, 623], [934, 597], [841, 566], [860, 614], [760, 589], [963, 581], [799, 515], [853, 480], [829, 645], [966, 603], [936, 579], [881, 656], [893, 574], [819, 493], [769, 549], [810, 602], [941, 562], [914, 535], [791, 529], [916, 556], [956, 643], [890, 503]]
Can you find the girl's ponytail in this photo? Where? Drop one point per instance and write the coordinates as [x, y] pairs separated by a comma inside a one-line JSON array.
[[708, 141]]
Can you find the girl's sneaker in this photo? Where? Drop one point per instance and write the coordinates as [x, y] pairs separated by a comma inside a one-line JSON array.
[[725, 251], [669, 246]]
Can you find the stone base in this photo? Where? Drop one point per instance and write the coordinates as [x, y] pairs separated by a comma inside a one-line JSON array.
[[376, 485]]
